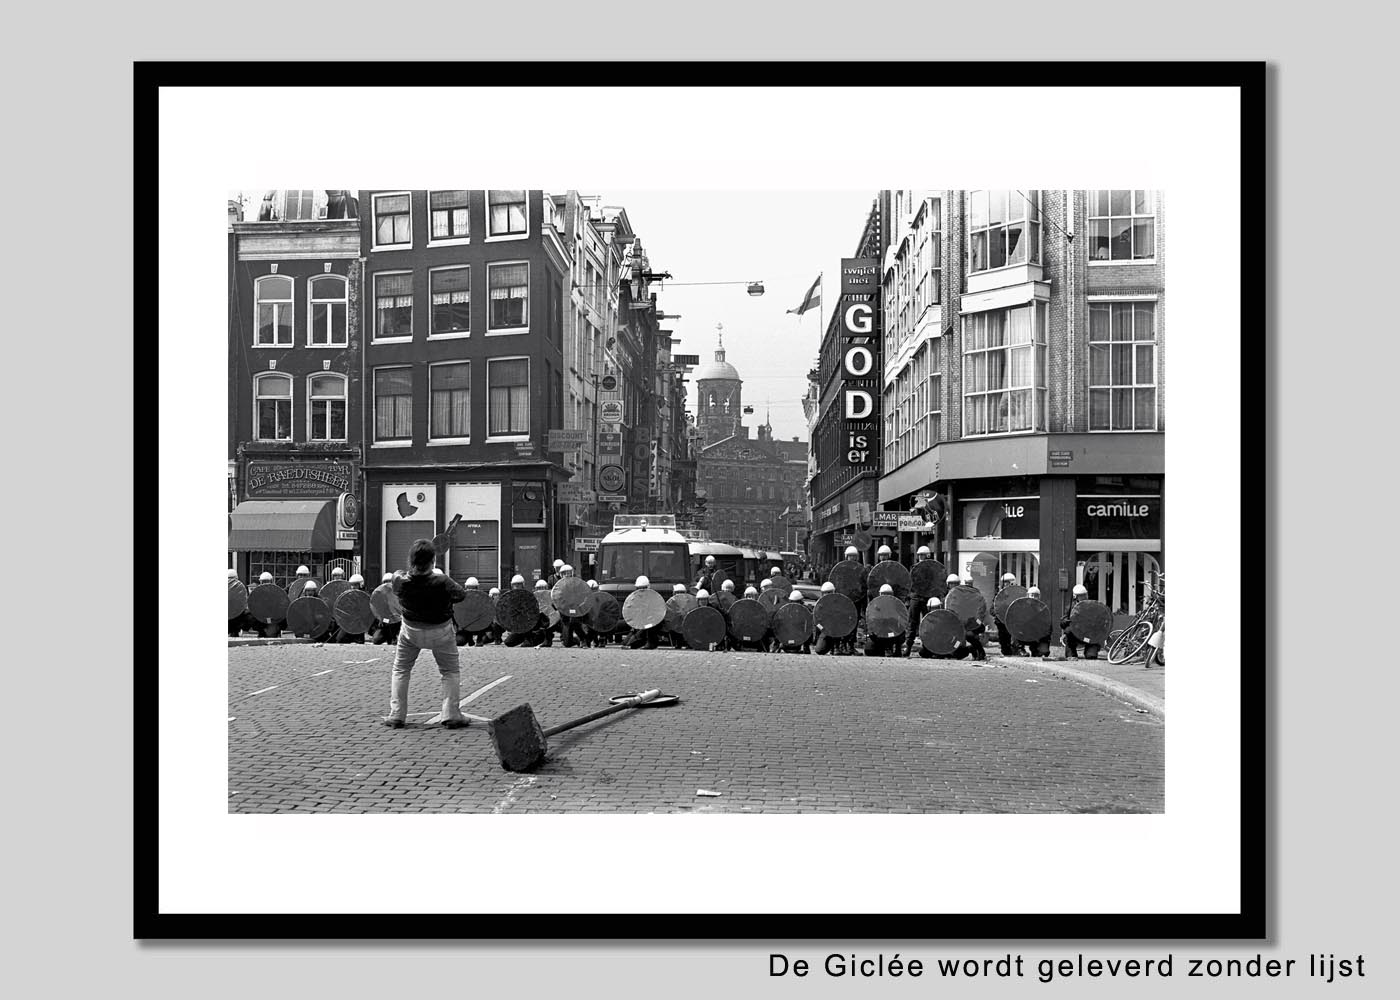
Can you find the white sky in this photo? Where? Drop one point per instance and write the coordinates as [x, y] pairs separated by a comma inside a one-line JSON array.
[[783, 239]]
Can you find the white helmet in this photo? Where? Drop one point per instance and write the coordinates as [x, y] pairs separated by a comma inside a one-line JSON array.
[[642, 582], [1008, 578], [233, 574], [702, 594], [1080, 590], [851, 550], [883, 550], [437, 572], [265, 578], [558, 563], [1033, 592], [952, 580], [517, 578], [750, 592], [356, 578], [828, 587], [592, 584], [541, 584], [310, 587], [967, 580], [727, 585], [337, 572], [934, 602], [678, 589], [566, 569], [709, 560], [303, 571], [885, 588], [472, 582], [494, 592], [765, 584], [923, 551], [796, 595], [387, 577]]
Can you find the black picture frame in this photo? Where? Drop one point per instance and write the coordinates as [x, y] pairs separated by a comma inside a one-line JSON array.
[[149, 922]]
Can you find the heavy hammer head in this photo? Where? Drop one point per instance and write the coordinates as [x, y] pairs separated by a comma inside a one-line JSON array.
[[518, 738]]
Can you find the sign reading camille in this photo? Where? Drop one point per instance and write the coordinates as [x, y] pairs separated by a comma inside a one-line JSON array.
[[299, 479]]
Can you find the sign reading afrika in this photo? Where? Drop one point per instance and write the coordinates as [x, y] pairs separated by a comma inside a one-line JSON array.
[[299, 478], [860, 360]]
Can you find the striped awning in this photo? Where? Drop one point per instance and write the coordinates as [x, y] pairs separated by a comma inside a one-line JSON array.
[[283, 526]]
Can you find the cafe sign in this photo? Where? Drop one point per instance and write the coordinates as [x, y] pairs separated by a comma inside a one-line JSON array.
[[1118, 517], [298, 478]]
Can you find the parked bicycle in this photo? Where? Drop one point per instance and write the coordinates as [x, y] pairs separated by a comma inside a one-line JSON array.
[[1129, 643]]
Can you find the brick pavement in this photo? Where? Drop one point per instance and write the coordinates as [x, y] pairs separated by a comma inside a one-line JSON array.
[[770, 733]]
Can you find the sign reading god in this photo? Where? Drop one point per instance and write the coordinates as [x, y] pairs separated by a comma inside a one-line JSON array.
[[860, 361]]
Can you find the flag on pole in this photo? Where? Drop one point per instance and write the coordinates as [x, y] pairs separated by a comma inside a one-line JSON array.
[[812, 299]]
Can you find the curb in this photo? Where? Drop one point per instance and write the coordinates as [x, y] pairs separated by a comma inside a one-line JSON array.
[[1154, 706], [290, 640]]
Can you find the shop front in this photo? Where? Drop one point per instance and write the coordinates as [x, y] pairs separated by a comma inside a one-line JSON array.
[[1118, 531], [295, 512]]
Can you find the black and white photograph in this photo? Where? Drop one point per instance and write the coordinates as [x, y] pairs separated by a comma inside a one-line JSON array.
[[727, 507]]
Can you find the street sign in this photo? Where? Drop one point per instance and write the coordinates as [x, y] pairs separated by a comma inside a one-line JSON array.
[[686, 359], [609, 383], [586, 544], [612, 497], [567, 439], [885, 519], [911, 522], [612, 478], [575, 493], [611, 411]]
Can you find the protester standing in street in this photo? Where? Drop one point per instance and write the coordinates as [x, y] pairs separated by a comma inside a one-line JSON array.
[[426, 600]]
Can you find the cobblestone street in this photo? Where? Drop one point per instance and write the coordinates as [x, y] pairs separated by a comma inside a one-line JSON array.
[[769, 733]]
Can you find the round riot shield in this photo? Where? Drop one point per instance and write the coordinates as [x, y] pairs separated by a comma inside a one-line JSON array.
[[353, 612], [928, 579], [887, 571], [308, 616], [517, 611], [771, 598], [545, 601], [386, 603], [1003, 599], [703, 626], [836, 614], [748, 619], [475, 612], [644, 609], [717, 579], [237, 599], [295, 588], [603, 612], [724, 600], [331, 592], [792, 624], [1028, 620], [940, 631], [886, 617], [781, 584], [966, 602], [677, 607], [268, 602], [1091, 621], [570, 596], [845, 576]]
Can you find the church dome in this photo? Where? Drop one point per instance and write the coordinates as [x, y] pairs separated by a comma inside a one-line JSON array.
[[716, 369]]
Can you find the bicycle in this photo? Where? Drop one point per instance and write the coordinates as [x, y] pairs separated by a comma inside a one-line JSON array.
[[1126, 644]]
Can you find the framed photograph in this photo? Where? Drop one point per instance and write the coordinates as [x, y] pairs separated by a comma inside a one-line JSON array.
[[753, 523]]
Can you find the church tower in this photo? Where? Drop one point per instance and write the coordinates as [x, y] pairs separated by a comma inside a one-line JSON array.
[[719, 406]]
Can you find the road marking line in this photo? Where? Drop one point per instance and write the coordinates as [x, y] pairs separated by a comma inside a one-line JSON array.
[[263, 691], [324, 672], [482, 690], [520, 784]]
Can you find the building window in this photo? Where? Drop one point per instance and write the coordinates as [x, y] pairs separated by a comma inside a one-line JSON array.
[[393, 220], [274, 293], [933, 391], [1004, 370], [330, 307], [1122, 366], [448, 215], [507, 212], [1003, 229], [272, 396], [393, 306], [451, 294], [1122, 225], [300, 206], [509, 288], [929, 291], [393, 404], [327, 397], [508, 393], [450, 388]]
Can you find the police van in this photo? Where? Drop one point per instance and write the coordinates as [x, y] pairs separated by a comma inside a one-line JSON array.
[[643, 545]]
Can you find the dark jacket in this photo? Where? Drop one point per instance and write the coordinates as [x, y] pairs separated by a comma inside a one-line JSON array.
[[427, 598]]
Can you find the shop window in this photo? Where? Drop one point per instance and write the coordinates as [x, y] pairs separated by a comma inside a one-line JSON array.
[[283, 566], [275, 296], [987, 568], [527, 505], [330, 308], [1118, 579], [1122, 225], [272, 402]]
